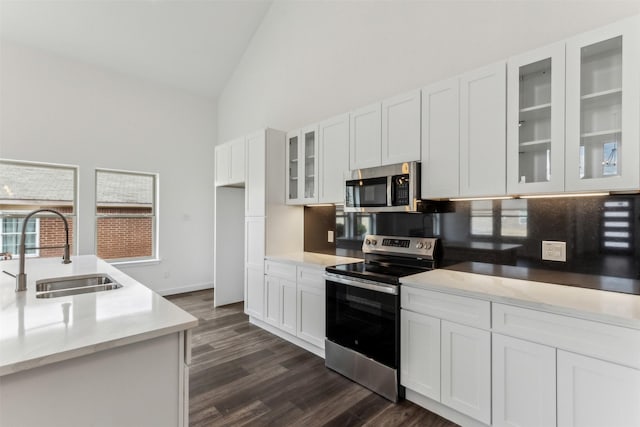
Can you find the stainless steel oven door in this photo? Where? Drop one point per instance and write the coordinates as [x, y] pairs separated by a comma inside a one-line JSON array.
[[364, 316]]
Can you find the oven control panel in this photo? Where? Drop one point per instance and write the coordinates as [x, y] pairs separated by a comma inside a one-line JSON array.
[[414, 246]]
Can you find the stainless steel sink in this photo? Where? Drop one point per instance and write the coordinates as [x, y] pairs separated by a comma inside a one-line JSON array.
[[65, 286]]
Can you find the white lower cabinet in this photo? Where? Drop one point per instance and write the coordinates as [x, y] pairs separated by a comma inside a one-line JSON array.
[[442, 357], [524, 383], [466, 370], [280, 296], [254, 292], [288, 312], [592, 392], [272, 300], [420, 353], [294, 301], [254, 267], [311, 315]]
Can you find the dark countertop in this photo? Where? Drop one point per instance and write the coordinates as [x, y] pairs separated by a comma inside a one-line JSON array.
[[603, 283]]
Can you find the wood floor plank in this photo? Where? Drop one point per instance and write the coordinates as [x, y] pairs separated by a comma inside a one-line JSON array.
[[243, 375]]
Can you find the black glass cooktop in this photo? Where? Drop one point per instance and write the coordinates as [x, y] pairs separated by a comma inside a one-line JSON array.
[[378, 272]]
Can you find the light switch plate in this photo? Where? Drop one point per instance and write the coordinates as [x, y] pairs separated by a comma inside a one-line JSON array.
[[330, 236], [554, 251]]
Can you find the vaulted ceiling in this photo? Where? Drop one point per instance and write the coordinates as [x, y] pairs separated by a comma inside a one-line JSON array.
[[189, 44]]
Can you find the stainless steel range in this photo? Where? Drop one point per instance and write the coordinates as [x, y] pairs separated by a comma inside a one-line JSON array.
[[363, 310]]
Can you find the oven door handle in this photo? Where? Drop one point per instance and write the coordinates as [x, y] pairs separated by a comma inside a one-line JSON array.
[[364, 284]]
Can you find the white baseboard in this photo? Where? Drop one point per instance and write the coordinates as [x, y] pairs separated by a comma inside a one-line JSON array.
[[442, 410], [287, 336], [185, 289]]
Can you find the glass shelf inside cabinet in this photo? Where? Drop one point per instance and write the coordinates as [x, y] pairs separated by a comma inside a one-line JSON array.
[[309, 150], [293, 168], [534, 122], [601, 109]]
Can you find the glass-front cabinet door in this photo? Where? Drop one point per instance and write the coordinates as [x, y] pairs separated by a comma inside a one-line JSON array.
[[293, 167], [309, 188], [603, 109], [535, 124], [302, 164]]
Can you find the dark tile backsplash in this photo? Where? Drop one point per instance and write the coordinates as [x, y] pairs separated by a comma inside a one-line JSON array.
[[318, 220], [600, 232]]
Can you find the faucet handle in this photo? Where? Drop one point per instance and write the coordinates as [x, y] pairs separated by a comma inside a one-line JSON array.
[[10, 274]]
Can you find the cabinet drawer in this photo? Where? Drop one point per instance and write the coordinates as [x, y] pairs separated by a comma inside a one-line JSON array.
[[278, 269], [467, 311], [608, 342], [309, 276]]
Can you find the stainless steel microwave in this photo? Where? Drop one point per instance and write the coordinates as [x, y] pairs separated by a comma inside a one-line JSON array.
[[390, 188]]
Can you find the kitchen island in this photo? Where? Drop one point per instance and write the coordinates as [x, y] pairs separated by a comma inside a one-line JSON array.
[[116, 357]]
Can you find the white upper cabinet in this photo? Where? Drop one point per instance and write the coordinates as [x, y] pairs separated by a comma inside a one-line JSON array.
[[440, 140], [603, 106], [293, 167], [401, 129], [333, 158], [230, 158], [535, 121], [255, 191], [302, 166], [366, 137], [309, 166], [483, 131]]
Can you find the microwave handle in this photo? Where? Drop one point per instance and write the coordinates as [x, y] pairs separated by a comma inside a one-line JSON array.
[[389, 191]]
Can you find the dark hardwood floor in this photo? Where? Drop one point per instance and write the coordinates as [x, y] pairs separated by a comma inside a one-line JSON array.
[[243, 375]]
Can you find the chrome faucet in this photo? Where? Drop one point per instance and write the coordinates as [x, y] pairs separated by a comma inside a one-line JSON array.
[[21, 278]]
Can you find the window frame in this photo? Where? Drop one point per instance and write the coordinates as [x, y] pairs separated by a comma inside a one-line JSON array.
[[155, 240], [71, 217]]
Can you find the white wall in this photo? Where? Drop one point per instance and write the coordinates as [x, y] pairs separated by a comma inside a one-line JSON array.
[[314, 59], [57, 110]]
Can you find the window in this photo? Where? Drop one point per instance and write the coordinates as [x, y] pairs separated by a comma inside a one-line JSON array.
[[513, 221], [10, 236], [125, 215], [25, 187], [482, 217], [617, 226]]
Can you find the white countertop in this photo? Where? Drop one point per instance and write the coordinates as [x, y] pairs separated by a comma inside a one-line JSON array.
[[35, 332], [603, 306], [311, 258]]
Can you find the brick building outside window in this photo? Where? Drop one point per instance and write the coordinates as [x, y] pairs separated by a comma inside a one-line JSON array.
[[125, 210]]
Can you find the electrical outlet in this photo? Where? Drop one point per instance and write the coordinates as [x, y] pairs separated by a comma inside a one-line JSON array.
[[554, 251], [330, 236]]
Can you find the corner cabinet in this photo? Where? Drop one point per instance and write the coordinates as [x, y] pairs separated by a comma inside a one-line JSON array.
[[603, 106], [230, 163], [302, 166], [333, 161], [535, 121], [483, 95]]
